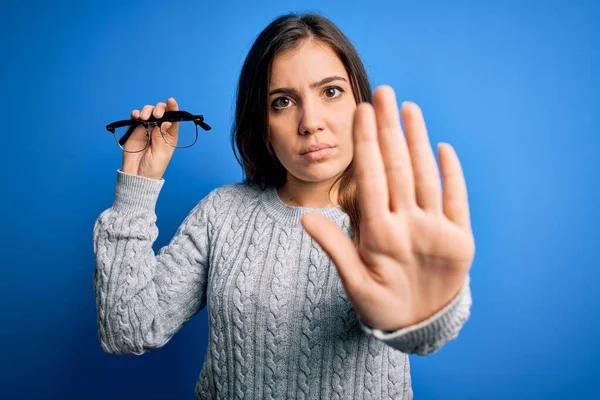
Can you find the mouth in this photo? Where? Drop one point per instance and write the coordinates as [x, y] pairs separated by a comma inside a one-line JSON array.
[[315, 148], [319, 155]]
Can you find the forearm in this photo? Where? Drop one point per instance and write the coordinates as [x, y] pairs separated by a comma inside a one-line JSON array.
[[142, 299]]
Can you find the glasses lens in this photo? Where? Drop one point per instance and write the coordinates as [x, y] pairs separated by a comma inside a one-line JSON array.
[[179, 134], [132, 141]]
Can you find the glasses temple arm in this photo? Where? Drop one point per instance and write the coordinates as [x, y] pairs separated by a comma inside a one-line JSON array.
[[127, 134], [204, 125]]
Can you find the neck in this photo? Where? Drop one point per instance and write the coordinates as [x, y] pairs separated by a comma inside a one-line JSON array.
[[299, 193]]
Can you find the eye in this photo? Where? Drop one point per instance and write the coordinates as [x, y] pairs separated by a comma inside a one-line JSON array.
[[281, 103], [331, 90]]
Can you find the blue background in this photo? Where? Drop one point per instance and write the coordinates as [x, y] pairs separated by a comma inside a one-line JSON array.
[[514, 86]]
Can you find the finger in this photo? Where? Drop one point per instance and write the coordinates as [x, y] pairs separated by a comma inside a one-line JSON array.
[[172, 104], [136, 139], [155, 136], [427, 179], [146, 112], [368, 165], [394, 150], [172, 128], [159, 110], [339, 248], [456, 202]]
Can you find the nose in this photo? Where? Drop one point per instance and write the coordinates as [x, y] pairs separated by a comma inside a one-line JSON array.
[[311, 118]]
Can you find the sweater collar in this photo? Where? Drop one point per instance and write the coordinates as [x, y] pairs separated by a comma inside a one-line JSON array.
[[290, 215]]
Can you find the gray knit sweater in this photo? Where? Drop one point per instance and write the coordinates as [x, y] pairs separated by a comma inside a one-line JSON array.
[[280, 323]]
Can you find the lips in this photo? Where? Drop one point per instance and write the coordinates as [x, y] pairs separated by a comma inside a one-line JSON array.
[[315, 147]]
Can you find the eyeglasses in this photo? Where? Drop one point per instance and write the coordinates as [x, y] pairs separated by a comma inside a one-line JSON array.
[[134, 135]]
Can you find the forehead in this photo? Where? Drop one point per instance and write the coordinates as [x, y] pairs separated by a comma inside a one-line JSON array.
[[310, 62]]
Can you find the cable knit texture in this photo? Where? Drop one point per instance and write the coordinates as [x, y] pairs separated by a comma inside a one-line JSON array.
[[280, 322]]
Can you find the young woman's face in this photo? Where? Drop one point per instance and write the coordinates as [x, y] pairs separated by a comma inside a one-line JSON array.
[[311, 103]]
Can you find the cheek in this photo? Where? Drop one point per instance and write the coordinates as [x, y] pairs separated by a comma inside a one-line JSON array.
[[345, 118], [282, 130], [282, 150], [344, 132], [281, 146]]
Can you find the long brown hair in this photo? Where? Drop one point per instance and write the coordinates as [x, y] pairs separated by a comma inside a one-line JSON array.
[[250, 129]]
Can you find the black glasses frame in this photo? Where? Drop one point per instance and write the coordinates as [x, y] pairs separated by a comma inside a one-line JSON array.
[[169, 116]]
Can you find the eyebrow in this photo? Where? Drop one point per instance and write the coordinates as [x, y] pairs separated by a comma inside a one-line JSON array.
[[313, 85]]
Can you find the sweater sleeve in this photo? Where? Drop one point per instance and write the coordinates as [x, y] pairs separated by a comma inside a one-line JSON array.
[[429, 335], [143, 298]]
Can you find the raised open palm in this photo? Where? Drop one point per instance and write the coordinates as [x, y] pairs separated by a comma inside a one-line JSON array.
[[417, 244]]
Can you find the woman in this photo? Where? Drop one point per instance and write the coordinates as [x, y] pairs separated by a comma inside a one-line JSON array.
[[338, 255]]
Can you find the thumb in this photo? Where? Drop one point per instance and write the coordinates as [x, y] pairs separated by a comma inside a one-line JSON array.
[[340, 249]]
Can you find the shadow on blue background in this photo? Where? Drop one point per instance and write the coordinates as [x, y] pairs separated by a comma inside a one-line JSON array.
[[512, 85]]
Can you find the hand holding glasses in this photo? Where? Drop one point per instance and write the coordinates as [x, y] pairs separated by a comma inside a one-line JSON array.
[[150, 137]]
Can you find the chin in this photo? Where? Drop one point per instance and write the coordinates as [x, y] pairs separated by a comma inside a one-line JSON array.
[[319, 173]]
